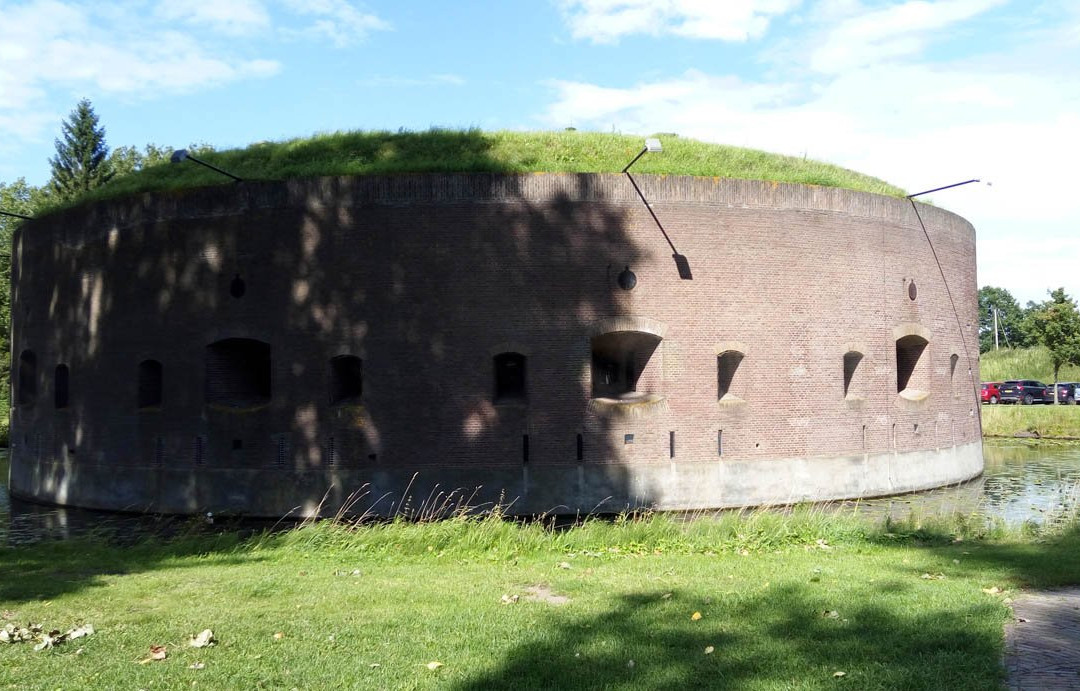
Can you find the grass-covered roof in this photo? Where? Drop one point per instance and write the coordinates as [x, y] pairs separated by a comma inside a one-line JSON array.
[[448, 151]]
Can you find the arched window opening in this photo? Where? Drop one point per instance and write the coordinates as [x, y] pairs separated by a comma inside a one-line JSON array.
[[910, 368], [60, 387], [727, 365], [509, 377], [346, 379], [27, 392], [238, 373], [619, 359], [150, 380], [852, 359]]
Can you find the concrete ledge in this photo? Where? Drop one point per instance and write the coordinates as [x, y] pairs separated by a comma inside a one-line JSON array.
[[568, 488]]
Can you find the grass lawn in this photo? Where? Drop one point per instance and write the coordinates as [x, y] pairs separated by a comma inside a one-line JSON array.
[[1023, 363], [448, 151], [784, 602]]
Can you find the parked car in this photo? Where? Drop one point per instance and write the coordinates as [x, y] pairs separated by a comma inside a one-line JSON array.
[[1066, 392], [990, 392], [1024, 391]]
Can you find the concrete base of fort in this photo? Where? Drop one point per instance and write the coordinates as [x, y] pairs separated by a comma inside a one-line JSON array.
[[552, 489]]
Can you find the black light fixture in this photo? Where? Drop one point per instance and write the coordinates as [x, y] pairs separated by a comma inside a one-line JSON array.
[[682, 265], [15, 215], [181, 155], [652, 146], [946, 187]]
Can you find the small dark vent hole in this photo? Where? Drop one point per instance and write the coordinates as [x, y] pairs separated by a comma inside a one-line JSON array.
[[279, 458], [60, 387], [628, 439], [912, 290], [159, 451], [237, 444], [580, 448], [720, 442], [372, 457], [524, 448], [331, 451], [200, 451], [237, 287], [671, 444], [149, 384]]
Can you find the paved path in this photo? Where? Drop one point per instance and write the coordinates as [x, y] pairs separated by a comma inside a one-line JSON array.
[[1042, 643]]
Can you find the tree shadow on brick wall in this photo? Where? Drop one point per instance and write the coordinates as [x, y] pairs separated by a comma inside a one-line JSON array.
[[422, 280]]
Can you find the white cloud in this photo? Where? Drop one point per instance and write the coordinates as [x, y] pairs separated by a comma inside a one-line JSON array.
[[48, 46], [235, 17], [865, 37], [337, 20], [605, 21]]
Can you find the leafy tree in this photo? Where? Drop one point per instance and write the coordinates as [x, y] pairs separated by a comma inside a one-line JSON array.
[[20, 198], [1056, 324], [125, 160], [1012, 331], [82, 158]]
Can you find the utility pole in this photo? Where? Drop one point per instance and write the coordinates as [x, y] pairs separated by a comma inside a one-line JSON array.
[[995, 329]]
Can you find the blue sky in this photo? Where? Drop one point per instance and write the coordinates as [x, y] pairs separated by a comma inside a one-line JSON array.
[[920, 93]]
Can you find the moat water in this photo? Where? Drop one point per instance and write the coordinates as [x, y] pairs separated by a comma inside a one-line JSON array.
[[1023, 482]]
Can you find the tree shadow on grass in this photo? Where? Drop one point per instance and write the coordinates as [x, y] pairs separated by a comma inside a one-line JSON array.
[[777, 639]]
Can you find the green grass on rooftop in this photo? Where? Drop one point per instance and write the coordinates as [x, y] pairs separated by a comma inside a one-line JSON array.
[[476, 151]]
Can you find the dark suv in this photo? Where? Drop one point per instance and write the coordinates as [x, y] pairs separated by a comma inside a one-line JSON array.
[[1066, 392], [1025, 391]]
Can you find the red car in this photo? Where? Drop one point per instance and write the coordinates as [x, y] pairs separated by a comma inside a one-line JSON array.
[[990, 393]]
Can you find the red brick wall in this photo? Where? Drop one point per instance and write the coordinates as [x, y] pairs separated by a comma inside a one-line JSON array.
[[427, 277]]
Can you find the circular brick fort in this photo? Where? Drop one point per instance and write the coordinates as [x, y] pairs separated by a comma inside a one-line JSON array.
[[555, 342]]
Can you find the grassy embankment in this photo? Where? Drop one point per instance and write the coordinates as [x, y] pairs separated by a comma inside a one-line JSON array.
[[760, 602], [436, 150], [1057, 421]]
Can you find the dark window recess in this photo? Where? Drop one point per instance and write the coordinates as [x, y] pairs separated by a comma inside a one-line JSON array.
[[238, 373], [580, 448], [346, 379], [618, 359], [852, 359], [628, 439], [237, 288], [912, 290], [727, 364], [27, 392], [60, 387], [237, 444], [509, 376], [908, 351], [150, 384], [524, 448], [954, 360]]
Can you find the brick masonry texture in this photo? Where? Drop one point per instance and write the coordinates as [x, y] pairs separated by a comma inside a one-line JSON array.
[[426, 278]]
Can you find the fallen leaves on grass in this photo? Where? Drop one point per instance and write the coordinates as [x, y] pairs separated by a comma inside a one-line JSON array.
[[279, 635], [695, 616], [564, 565], [42, 639], [509, 599], [831, 614], [933, 576], [157, 654], [709, 650], [993, 590], [837, 675], [434, 664], [203, 640], [196, 665]]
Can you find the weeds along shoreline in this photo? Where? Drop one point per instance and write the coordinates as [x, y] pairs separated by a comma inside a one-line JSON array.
[[1060, 422]]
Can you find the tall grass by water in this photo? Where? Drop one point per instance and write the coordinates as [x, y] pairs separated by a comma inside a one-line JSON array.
[[476, 151]]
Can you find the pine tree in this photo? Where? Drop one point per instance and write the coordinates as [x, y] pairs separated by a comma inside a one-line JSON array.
[[81, 162]]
